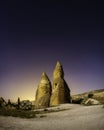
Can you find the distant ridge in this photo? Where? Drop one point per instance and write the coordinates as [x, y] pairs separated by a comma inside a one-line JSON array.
[[93, 91], [97, 94]]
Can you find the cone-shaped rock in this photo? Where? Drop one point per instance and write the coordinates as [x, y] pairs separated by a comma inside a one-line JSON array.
[[43, 92], [58, 71], [60, 89]]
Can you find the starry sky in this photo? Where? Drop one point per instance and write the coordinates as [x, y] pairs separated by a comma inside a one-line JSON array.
[[35, 35]]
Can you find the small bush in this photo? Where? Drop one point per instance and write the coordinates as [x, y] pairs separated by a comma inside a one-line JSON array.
[[90, 95], [25, 105], [17, 113], [77, 100]]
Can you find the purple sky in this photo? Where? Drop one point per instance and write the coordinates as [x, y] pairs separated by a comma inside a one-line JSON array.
[[34, 36]]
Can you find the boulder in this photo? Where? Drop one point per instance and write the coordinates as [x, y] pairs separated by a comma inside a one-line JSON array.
[[91, 101], [60, 89], [43, 92]]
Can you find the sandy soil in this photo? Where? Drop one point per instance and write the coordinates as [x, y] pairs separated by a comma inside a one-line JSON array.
[[77, 117]]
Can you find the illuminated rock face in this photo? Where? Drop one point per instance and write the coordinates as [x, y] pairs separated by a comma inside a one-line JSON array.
[[58, 71], [43, 92], [58, 94], [60, 89]]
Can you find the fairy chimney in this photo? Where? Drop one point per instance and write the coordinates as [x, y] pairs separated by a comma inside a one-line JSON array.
[[60, 89], [43, 92]]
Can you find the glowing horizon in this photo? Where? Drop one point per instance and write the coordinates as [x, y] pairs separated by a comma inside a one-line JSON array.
[[26, 87]]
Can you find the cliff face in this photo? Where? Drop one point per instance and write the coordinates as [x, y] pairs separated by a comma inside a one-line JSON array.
[[43, 92], [60, 89]]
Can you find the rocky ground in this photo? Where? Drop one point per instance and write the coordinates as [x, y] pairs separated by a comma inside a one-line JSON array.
[[73, 117]]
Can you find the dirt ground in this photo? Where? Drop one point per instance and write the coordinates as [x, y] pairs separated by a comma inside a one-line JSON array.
[[76, 117]]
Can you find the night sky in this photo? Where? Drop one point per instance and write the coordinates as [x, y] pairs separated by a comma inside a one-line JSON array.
[[35, 35]]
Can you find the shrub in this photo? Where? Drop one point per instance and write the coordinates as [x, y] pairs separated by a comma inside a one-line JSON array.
[[90, 95], [25, 105], [77, 100], [17, 113]]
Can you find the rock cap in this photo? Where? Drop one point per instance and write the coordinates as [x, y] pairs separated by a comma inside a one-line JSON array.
[[44, 78], [58, 71]]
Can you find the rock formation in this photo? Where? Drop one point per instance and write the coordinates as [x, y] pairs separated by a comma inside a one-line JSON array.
[[43, 92], [58, 71], [2, 102], [60, 89], [92, 101]]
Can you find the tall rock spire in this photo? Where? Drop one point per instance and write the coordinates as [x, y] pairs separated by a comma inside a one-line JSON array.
[[60, 89], [58, 71], [44, 78], [43, 92]]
